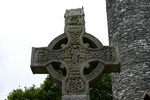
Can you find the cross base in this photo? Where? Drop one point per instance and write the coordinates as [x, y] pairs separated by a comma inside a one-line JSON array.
[[75, 97]]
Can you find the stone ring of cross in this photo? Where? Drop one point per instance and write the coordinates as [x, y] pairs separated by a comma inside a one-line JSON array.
[[89, 56], [89, 67]]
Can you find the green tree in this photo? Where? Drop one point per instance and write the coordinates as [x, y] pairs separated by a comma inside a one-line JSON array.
[[49, 91], [103, 89]]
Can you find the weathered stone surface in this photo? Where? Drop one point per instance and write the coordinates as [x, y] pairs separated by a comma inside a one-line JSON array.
[[75, 97], [75, 60], [129, 29]]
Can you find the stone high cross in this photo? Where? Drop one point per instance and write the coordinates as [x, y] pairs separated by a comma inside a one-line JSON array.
[[75, 60]]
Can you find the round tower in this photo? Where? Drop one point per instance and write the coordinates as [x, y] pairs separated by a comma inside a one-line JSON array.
[[129, 29]]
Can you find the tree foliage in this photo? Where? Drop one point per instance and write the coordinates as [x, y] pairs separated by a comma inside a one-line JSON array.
[[103, 89], [49, 91]]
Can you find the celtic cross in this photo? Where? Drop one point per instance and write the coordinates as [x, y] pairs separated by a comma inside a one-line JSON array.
[[75, 60]]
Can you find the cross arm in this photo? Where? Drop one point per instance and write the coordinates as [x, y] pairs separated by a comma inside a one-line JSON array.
[[41, 58], [109, 55]]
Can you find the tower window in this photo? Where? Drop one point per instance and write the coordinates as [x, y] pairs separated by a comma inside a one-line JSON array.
[[147, 97]]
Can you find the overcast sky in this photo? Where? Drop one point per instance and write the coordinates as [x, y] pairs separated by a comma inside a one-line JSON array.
[[35, 23]]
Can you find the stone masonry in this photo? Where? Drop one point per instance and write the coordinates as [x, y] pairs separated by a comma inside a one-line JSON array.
[[129, 29]]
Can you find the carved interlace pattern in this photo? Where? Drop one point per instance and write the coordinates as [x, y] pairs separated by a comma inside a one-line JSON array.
[[74, 54], [75, 84]]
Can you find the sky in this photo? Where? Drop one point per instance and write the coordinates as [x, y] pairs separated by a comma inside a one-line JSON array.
[[35, 23]]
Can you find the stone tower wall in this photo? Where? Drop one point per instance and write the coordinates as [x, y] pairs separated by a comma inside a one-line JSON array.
[[129, 29]]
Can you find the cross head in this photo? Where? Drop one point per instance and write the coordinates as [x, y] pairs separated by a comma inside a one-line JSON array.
[[75, 60]]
